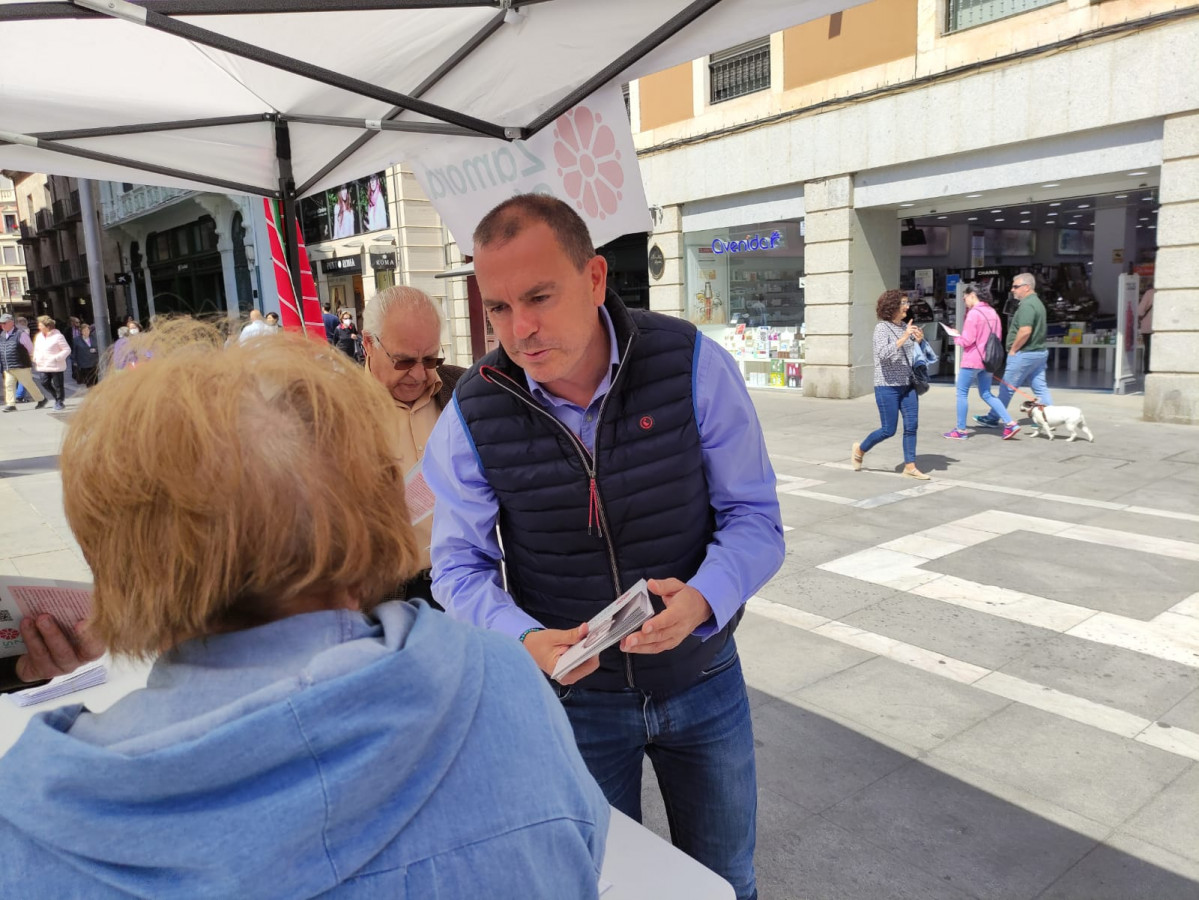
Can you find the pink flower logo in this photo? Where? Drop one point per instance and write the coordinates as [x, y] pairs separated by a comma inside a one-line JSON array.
[[589, 163]]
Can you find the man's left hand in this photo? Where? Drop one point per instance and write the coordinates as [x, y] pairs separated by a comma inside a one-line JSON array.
[[686, 609]]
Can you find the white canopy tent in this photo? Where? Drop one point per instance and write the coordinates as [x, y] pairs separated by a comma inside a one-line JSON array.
[[282, 98]]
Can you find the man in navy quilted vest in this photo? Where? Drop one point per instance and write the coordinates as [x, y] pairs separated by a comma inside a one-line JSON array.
[[597, 446]]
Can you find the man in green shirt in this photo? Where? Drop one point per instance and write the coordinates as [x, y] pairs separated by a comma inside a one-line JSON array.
[[1026, 351]]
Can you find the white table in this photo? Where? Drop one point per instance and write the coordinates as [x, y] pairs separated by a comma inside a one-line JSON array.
[[638, 863], [642, 866]]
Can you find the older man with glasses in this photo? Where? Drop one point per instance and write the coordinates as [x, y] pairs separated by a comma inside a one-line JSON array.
[[1027, 356], [401, 337]]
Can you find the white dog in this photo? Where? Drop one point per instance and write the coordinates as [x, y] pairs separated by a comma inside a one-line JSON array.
[[1046, 417]]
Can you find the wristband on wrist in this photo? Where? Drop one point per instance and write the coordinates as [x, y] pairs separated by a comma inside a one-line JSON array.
[[527, 632]]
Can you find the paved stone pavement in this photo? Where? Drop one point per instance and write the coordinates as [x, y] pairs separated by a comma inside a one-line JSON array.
[[983, 686]]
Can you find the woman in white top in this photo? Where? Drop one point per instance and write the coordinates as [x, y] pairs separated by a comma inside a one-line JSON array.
[[50, 353]]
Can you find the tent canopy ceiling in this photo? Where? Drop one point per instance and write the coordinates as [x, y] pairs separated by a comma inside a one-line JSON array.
[[193, 93]]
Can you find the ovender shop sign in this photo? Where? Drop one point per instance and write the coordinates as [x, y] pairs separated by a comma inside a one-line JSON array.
[[586, 158], [757, 242]]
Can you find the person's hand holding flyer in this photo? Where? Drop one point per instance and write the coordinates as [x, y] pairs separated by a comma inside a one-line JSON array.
[[618, 619], [68, 602]]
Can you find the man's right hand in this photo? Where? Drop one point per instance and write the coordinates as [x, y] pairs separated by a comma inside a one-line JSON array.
[[547, 645]]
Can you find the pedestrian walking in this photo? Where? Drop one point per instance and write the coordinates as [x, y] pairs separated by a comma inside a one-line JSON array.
[[330, 320], [347, 338], [86, 354], [603, 445], [981, 322], [50, 354], [16, 359], [1027, 355], [894, 390], [256, 327]]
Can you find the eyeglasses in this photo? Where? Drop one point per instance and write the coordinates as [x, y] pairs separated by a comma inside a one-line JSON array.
[[403, 364]]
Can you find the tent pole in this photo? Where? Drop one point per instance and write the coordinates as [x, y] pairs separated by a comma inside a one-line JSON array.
[[287, 215], [150, 18], [95, 264]]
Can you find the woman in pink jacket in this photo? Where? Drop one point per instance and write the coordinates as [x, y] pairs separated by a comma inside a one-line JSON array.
[[981, 322], [50, 352]]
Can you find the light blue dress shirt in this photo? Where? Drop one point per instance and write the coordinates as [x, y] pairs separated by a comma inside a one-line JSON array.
[[745, 551]]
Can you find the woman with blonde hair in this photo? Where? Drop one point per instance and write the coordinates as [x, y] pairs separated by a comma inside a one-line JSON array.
[[294, 738]]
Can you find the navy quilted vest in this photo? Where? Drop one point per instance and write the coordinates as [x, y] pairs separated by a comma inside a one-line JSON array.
[[565, 562]]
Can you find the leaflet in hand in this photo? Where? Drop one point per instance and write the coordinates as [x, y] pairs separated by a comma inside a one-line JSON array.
[[952, 332], [86, 676], [69, 602], [620, 618], [418, 494]]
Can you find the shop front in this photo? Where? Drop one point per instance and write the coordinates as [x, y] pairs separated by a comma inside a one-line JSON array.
[[383, 263], [628, 269], [342, 277], [185, 269], [744, 287], [1077, 247]]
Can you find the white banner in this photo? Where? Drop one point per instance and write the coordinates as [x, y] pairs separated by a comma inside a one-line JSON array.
[[585, 158]]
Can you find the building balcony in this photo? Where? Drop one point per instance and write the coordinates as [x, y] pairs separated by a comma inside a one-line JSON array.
[[79, 268], [47, 277], [137, 202], [66, 210], [28, 233], [8, 195], [62, 272], [43, 219]]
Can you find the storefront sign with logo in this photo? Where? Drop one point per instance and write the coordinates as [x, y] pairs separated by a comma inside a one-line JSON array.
[[657, 262], [383, 260], [756, 242], [585, 158], [342, 265]]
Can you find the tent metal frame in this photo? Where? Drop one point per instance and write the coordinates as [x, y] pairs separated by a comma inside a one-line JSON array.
[[160, 16]]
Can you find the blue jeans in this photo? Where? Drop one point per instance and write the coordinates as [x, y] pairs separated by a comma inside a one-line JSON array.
[[1025, 367], [700, 742], [891, 402], [967, 378]]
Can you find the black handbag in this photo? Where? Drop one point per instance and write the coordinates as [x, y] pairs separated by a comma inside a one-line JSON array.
[[919, 379], [994, 356]]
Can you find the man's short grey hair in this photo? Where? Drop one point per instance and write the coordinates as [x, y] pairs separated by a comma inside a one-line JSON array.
[[1026, 278], [409, 299]]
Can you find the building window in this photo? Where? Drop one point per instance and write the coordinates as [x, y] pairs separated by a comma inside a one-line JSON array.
[[739, 70], [968, 13], [10, 222], [628, 105], [10, 256]]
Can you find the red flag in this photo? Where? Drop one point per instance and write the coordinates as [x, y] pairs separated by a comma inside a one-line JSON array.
[[289, 314]]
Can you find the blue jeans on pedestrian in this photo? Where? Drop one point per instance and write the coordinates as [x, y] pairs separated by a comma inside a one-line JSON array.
[[891, 402], [967, 378], [700, 742], [1025, 368]]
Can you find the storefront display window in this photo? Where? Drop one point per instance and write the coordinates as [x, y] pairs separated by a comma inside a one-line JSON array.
[[750, 275], [745, 289]]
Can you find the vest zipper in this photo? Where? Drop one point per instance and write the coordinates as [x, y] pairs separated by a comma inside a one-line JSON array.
[[595, 504]]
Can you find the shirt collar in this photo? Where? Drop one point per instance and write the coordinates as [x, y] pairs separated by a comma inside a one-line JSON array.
[[545, 398]]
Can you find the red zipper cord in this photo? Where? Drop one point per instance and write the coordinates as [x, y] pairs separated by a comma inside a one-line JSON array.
[[593, 513]]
